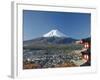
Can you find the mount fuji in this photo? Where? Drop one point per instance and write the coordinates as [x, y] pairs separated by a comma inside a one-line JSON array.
[[54, 33], [53, 37]]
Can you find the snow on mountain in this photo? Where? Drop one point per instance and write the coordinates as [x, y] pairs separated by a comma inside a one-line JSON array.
[[54, 33]]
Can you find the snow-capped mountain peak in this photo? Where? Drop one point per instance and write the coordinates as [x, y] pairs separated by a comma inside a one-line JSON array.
[[54, 33]]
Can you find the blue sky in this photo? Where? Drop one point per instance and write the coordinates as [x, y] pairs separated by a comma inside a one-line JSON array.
[[37, 23]]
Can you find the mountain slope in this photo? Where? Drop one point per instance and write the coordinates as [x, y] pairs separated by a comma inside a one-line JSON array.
[[49, 40]]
